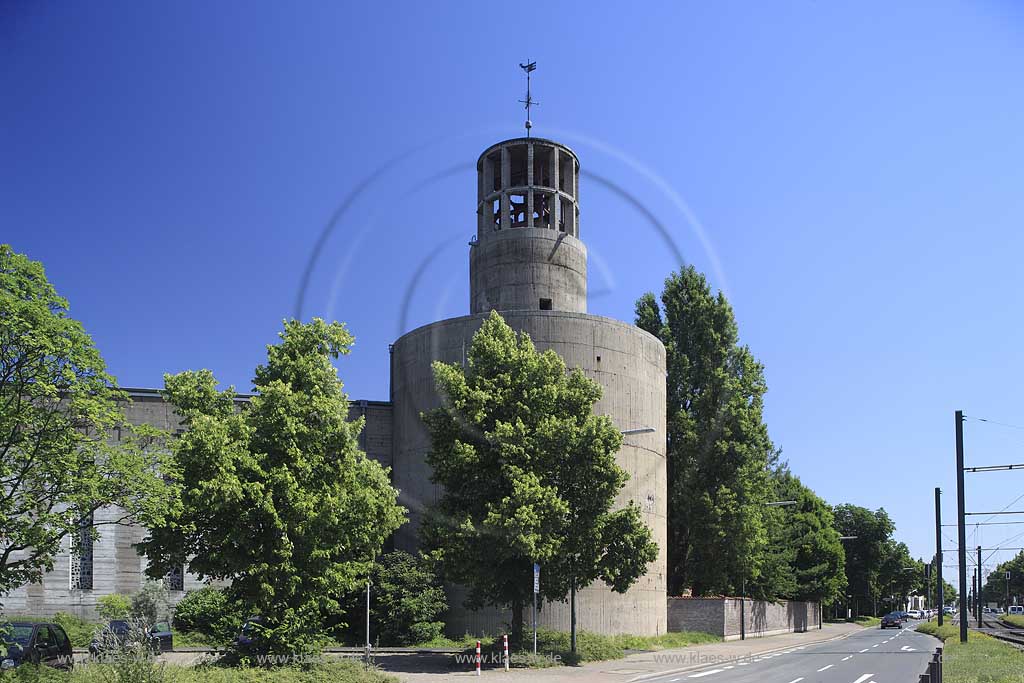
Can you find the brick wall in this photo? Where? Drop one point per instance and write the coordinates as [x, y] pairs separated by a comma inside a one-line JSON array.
[[721, 616]]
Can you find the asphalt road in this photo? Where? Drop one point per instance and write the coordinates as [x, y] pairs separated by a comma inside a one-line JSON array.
[[869, 656]]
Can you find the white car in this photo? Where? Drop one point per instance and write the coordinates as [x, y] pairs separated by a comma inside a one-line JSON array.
[[1015, 609], [914, 613]]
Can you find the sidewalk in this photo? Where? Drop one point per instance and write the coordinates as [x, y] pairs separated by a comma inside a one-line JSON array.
[[633, 667]]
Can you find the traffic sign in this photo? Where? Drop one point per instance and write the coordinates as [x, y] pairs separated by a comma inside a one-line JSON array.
[[536, 578]]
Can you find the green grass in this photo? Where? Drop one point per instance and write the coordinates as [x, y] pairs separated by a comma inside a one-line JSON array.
[[1013, 619], [982, 659], [553, 647], [333, 672], [867, 621]]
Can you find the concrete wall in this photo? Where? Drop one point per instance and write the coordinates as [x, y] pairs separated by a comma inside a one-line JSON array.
[[630, 366], [117, 567], [722, 616], [513, 269]]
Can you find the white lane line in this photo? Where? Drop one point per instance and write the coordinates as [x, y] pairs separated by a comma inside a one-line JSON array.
[[827, 666], [706, 673], [846, 657], [864, 650], [797, 680], [875, 645], [863, 678], [728, 667]]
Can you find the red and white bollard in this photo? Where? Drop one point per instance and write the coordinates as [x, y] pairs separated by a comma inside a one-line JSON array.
[[505, 646], [478, 658]]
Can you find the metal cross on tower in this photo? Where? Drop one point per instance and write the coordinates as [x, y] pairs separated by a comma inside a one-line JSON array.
[[529, 67]]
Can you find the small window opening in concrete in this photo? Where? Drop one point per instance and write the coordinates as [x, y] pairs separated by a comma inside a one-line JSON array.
[[542, 165], [545, 304], [565, 173], [543, 203], [496, 212], [599, 359], [517, 159], [517, 210], [494, 160]]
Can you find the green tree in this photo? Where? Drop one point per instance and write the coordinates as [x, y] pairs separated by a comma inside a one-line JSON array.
[[996, 585], [804, 540], [277, 499], [114, 606], [407, 601], [719, 453], [60, 460], [866, 553], [529, 475]]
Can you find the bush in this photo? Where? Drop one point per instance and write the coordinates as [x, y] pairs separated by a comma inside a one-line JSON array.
[[79, 631], [151, 602], [209, 612], [406, 602], [114, 606]]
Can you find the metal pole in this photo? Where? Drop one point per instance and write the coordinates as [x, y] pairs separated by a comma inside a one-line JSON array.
[[961, 528], [367, 621], [743, 610], [980, 579], [940, 602]]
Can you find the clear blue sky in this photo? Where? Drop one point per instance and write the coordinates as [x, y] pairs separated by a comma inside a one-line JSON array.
[[856, 170]]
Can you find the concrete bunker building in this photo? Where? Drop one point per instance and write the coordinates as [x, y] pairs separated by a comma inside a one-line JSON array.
[[528, 263]]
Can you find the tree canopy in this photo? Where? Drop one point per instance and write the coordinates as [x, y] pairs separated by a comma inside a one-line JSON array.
[[277, 497], [528, 475], [66, 449], [719, 453]]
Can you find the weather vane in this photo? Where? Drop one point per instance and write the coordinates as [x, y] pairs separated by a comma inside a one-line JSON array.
[[529, 67]]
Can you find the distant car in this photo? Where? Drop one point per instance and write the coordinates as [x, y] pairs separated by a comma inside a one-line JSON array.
[[986, 610], [914, 613], [1015, 609], [892, 620], [159, 636], [904, 615], [35, 643], [947, 610]]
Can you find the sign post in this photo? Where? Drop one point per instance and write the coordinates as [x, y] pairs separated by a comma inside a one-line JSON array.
[[536, 589]]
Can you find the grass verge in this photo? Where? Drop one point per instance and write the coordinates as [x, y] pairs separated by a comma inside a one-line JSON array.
[[1013, 619], [333, 672], [982, 659], [553, 648], [867, 621]]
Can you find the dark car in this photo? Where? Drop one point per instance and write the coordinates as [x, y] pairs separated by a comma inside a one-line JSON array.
[[892, 620], [159, 637], [35, 643]]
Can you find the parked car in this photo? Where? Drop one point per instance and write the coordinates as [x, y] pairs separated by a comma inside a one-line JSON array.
[[1015, 609], [905, 616], [36, 643], [914, 613], [892, 620], [159, 636]]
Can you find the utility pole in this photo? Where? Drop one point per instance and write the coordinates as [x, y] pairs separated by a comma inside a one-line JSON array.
[[939, 602], [961, 527], [980, 579]]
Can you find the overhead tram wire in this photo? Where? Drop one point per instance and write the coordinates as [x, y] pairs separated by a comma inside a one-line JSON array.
[[993, 422]]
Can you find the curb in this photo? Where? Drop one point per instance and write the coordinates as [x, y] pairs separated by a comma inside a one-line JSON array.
[[698, 667]]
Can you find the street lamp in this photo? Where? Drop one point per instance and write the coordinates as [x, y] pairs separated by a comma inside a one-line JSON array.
[[639, 430]]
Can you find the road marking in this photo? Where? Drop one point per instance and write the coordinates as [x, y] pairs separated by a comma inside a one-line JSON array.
[[875, 645], [827, 666], [797, 680], [846, 657], [728, 667], [863, 678], [706, 673], [864, 650], [906, 648]]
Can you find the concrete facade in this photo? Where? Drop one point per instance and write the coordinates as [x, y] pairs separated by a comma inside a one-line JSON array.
[[723, 616]]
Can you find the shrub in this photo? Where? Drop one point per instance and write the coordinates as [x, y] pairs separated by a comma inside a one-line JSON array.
[[114, 606], [79, 630], [210, 612], [151, 602], [406, 602]]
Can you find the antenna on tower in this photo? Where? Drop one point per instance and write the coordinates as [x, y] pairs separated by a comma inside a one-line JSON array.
[[529, 68]]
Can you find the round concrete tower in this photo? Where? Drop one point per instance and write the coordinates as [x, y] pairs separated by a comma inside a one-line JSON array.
[[528, 263]]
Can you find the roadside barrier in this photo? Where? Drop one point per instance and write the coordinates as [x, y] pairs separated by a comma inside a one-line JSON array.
[[933, 674]]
